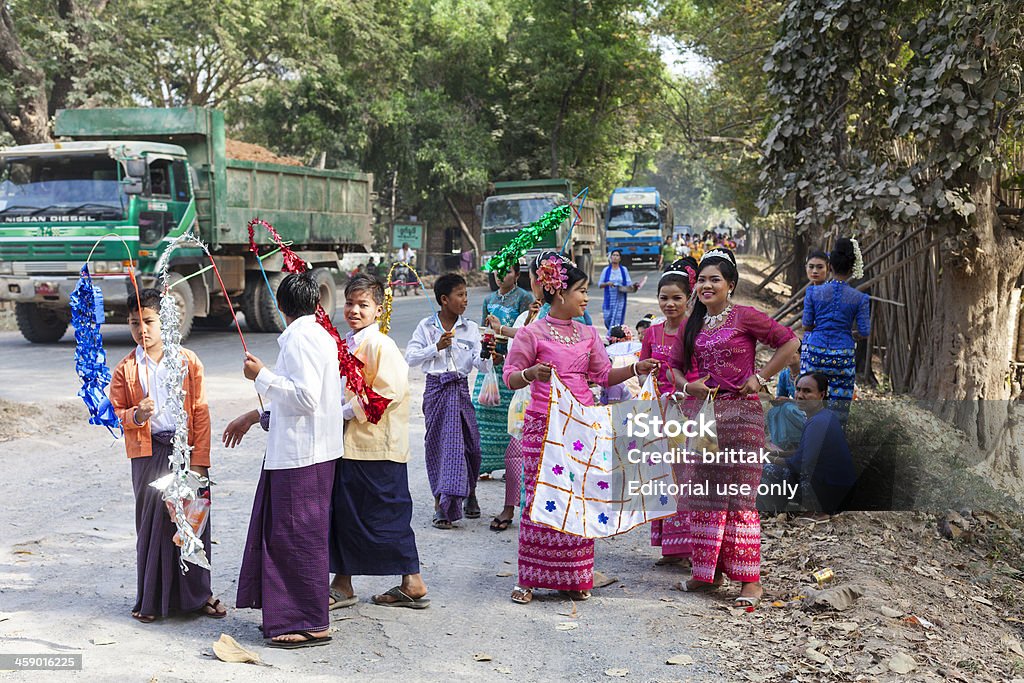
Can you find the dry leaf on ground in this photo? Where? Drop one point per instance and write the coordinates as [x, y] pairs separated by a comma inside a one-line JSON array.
[[227, 649]]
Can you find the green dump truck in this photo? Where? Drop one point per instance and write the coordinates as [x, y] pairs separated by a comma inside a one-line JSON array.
[[515, 204], [147, 176]]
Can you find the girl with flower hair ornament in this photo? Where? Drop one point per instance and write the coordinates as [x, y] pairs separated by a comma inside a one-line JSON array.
[[831, 310], [558, 343]]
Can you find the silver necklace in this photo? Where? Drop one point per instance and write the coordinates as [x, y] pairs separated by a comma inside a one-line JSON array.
[[561, 338], [713, 320]]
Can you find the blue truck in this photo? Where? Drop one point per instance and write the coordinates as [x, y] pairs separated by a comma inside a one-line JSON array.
[[637, 222]]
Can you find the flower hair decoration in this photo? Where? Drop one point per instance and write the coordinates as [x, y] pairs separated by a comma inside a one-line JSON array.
[[552, 275], [858, 261]]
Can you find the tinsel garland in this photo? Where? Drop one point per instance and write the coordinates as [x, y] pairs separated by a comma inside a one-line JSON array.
[[182, 484], [525, 240], [350, 367], [90, 358], [389, 296]]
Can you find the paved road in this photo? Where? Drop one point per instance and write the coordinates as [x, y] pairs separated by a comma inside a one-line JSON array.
[[67, 557]]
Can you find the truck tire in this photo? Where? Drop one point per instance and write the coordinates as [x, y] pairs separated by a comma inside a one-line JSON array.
[[250, 301], [266, 309], [40, 325], [216, 321], [328, 290], [183, 299]]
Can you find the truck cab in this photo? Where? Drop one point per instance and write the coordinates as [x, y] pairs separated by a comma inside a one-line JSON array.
[[516, 204], [636, 223], [58, 199]]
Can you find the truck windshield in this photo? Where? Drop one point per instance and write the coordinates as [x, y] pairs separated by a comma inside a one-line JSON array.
[[619, 215], [509, 212], [85, 185]]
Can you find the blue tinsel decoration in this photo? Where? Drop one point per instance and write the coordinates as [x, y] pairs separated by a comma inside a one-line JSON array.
[[90, 358]]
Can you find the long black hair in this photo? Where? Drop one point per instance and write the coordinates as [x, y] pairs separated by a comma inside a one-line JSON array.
[[817, 253], [727, 265]]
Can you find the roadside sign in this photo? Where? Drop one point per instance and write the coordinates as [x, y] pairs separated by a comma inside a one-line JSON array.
[[407, 232]]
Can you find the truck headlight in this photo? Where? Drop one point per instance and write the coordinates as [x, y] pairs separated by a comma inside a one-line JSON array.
[[6, 268]]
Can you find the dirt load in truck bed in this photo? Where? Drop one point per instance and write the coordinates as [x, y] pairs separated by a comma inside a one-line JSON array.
[[246, 151]]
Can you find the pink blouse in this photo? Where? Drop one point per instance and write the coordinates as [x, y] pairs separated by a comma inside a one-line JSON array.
[[727, 352], [657, 344], [584, 361]]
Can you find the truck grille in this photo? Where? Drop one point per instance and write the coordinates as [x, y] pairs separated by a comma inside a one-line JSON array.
[[45, 267], [72, 250]]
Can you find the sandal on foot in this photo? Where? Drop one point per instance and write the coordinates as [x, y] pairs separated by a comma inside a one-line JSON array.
[[400, 599], [576, 595], [337, 600], [440, 522], [472, 508], [144, 618], [750, 602], [521, 595], [310, 641], [205, 610], [499, 524], [700, 587]]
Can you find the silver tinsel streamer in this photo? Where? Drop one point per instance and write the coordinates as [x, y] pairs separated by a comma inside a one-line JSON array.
[[182, 484]]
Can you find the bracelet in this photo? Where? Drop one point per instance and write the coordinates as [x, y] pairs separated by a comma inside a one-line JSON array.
[[635, 374], [522, 374], [135, 419], [761, 380], [685, 392]]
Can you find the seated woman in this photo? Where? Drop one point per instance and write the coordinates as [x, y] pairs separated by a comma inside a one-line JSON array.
[[822, 463]]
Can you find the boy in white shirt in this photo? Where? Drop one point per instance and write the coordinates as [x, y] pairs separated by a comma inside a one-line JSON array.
[[285, 564], [448, 347]]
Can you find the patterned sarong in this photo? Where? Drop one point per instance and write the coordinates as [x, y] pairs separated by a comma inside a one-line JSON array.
[[492, 422], [452, 441], [840, 366], [548, 558]]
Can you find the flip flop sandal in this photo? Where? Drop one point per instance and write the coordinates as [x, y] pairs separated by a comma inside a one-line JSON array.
[[576, 595], [144, 618], [472, 508], [499, 524], [214, 614], [401, 600], [522, 596], [310, 641], [440, 522], [702, 587], [338, 600]]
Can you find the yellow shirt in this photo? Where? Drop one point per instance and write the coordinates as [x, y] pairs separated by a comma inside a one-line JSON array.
[[385, 370]]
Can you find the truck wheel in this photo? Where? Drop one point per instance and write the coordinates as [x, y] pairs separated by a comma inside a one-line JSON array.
[[266, 310], [328, 290], [182, 295], [40, 325], [251, 301]]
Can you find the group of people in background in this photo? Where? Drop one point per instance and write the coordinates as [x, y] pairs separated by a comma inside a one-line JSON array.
[[333, 495]]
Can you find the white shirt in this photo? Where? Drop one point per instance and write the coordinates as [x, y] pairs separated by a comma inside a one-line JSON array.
[[162, 420], [306, 396], [462, 356], [405, 255]]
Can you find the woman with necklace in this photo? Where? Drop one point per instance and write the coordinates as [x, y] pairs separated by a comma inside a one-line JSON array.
[[549, 558], [500, 309], [674, 289], [720, 340]]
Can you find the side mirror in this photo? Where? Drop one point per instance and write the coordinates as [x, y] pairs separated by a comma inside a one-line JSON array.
[[136, 168], [479, 210], [132, 185]]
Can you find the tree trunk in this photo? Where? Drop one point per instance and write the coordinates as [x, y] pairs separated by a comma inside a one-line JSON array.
[[29, 122], [797, 273], [970, 345]]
